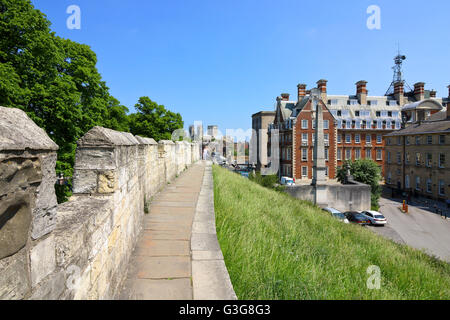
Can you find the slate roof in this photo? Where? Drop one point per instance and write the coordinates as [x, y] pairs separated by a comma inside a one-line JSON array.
[[424, 128]]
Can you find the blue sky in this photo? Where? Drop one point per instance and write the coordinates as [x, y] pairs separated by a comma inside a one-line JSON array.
[[222, 61]]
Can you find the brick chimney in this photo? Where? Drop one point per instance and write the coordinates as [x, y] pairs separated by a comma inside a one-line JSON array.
[[448, 92], [433, 94], [419, 91], [399, 92], [361, 92], [322, 86], [285, 96], [301, 91]]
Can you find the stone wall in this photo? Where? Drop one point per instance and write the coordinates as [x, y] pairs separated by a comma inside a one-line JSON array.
[[79, 249], [342, 197]]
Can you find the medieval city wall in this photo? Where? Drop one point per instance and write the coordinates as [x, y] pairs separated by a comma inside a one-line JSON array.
[[79, 249]]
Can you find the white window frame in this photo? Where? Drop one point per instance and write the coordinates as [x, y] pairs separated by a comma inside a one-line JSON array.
[[304, 175], [305, 123], [304, 153], [379, 139], [348, 140], [379, 154]]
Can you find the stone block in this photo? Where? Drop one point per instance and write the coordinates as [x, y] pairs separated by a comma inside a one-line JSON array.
[[51, 288], [107, 182], [17, 173], [14, 280], [95, 158], [42, 260], [84, 181], [19, 132], [98, 263], [83, 287], [15, 221], [43, 222]]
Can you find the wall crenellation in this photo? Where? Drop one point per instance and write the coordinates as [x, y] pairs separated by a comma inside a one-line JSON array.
[[79, 249]]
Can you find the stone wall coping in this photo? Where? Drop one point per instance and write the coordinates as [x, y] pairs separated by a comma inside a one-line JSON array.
[[144, 140], [166, 142], [99, 136], [19, 132]]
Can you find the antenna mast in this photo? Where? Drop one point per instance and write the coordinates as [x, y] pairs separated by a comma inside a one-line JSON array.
[[398, 74]]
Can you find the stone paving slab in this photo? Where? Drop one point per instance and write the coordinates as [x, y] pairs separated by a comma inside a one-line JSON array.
[[155, 248], [148, 289], [163, 267], [177, 255]]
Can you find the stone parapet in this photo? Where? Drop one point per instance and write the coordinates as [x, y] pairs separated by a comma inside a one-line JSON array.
[[79, 249]]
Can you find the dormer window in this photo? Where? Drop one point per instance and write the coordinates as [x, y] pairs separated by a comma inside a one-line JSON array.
[[393, 103], [333, 102], [372, 102]]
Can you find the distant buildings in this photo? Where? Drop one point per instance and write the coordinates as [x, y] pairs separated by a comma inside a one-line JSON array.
[[417, 157], [213, 131], [260, 124], [354, 125]]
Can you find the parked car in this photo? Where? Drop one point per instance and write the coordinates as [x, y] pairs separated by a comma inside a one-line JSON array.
[[376, 218], [336, 214], [358, 218], [286, 181]]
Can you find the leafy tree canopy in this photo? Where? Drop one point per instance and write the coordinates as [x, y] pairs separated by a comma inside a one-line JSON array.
[[54, 80], [154, 121], [365, 171]]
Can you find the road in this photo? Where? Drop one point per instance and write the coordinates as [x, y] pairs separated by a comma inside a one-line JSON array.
[[420, 229]]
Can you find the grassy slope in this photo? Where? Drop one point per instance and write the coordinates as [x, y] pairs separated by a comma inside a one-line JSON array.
[[276, 247]]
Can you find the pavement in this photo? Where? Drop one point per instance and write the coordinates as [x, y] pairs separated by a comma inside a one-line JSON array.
[[420, 228], [177, 256]]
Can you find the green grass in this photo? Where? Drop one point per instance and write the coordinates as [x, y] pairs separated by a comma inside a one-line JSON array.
[[277, 247]]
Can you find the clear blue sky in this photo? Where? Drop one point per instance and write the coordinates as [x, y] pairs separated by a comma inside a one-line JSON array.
[[222, 61]]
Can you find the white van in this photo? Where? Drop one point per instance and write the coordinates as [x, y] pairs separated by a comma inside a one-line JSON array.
[[286, 181]]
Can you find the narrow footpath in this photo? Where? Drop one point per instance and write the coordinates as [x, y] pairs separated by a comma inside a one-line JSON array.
[[177, 256]]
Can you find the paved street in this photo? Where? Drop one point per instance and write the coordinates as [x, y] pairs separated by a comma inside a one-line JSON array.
[[420, 229]]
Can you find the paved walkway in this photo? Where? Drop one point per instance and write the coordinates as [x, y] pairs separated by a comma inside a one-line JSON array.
[[165, 264]]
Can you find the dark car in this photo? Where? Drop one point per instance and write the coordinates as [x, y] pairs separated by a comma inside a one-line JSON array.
[[358, 218]]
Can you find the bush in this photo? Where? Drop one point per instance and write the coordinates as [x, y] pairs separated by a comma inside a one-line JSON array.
[[269, 181], [365, 171]]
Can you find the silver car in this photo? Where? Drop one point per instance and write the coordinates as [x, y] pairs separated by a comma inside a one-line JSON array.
[[376, 218], [336, 214]]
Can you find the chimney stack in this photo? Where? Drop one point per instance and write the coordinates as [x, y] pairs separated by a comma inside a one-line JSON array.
[[301, 91], [361, 92], [419, 91], [322, 86], [285, 96], [399, 92], [448, 92], [433, 94]]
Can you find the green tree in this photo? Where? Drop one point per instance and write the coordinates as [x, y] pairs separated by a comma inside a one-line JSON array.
[[54, 80], [154, 121], [365, 171]]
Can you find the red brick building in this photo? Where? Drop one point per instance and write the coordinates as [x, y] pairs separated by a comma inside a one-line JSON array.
[[354, 126]]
